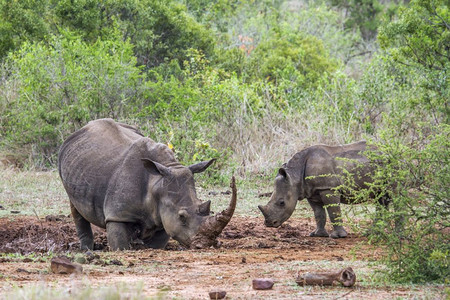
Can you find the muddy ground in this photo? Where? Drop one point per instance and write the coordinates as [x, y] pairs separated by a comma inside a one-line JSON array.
[[248, 250]]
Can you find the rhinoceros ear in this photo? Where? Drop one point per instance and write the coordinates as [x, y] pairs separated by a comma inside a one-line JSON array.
[[155, 166], [201, 166], [282, 172], [204, 208]]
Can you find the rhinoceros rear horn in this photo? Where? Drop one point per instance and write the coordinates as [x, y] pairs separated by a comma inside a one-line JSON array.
[[204, 208], [213, 225]]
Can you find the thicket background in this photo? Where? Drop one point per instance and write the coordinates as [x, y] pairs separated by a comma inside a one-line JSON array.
[[247, 82]]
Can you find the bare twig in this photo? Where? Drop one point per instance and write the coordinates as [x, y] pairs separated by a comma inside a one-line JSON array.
[[37, 217], [345, 295]]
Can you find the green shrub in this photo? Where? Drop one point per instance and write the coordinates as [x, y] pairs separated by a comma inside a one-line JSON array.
[[413, 233], [22, 21], [419, 39], [363, 15], [296, 57], [60, 87]]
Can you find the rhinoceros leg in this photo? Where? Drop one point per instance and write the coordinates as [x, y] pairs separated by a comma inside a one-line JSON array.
[[334, 212], [321, 219], [119, 235], [158, 240], [84, 230]]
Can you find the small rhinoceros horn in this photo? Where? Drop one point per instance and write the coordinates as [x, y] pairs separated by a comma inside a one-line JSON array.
[[213, 225], [204, 208], [263, 211]]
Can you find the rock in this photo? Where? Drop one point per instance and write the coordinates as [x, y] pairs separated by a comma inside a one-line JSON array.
[[217, 294], [62, 265], [262, 283], [90, 256], [115, 262], [52, 218], [23, 270]]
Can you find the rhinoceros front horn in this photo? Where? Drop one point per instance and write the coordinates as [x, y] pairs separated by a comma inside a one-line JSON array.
[[213, 225]]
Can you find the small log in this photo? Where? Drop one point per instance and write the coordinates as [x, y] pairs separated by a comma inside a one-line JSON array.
[[345, 276]]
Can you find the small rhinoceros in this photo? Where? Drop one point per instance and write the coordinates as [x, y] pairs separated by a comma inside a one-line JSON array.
[[135, 188], [314, 173]]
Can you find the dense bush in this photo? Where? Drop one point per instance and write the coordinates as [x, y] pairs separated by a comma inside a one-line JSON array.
[[413, 233], [57, 88], [249, 83], [412, 158], [22, 21]]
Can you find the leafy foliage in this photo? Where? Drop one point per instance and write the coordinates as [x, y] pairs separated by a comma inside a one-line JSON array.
[[22, 21], [55, 94], [248, 83], [413, 233], [420, 39], [365, 15], [296, 57]]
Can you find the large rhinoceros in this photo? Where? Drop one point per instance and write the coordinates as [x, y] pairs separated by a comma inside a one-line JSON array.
[[314, 173], [135, 188]]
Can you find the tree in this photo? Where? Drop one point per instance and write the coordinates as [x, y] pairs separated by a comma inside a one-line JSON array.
[[159, 30], [22, 21], [420, 40], [362, 14]]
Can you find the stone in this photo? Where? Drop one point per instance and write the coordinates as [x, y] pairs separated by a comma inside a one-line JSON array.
[[262, 283], [52, 218], [217, 294], [62, 265]]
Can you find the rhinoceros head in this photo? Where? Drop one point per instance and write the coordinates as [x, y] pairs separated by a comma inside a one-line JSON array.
[[182, 214], [282, 202]]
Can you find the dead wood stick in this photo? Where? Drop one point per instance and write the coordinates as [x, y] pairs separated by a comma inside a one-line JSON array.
[[345, 276]]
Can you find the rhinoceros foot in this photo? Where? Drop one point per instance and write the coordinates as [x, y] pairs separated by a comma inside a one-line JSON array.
[[338, 233], [319, 233]]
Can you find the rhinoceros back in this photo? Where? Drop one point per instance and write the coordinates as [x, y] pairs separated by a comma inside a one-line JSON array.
[[88, 159]]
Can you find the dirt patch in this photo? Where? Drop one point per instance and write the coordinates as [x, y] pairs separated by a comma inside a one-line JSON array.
[[26, 235], [247, 250]]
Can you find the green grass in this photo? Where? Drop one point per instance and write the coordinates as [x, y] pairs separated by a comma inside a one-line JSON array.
[[41, 193], [119, 291], [32, 193]]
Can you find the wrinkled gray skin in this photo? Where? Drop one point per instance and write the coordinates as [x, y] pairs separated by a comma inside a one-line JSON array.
[[301, 177], [134, 187]]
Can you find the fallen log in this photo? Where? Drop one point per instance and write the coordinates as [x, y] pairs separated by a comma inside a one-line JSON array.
[[345, 276]]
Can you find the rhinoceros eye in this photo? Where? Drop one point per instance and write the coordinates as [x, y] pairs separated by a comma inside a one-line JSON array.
[[281, 203]]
